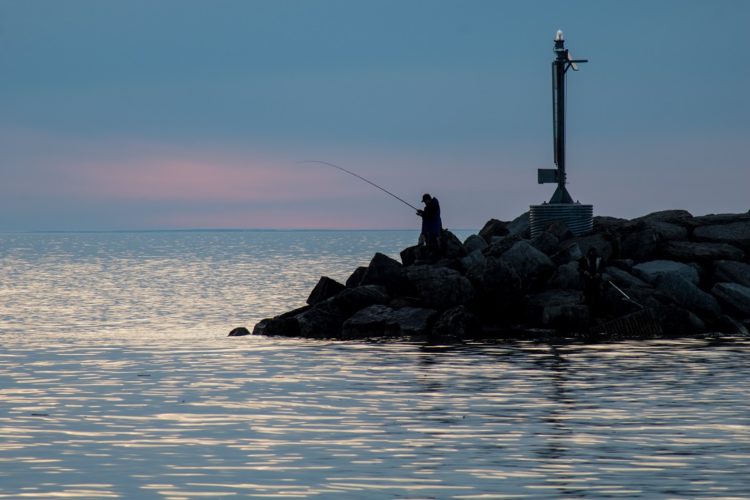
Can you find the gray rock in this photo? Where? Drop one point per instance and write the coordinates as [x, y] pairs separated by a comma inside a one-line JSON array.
[[382, 270], [732, 272], [736, 233], [641, 245], [240, 331], [673, 216], [500, 245], [676, 321], [474, 265], [603, 224], [356, 277], [622, 278], [520, 226], [599, 242], [650, 271], [566, 276], [440, 287], [379, 321], [667, 230], [688, 295], [457, 322], [474, 242], [546, 243], [689, 251], [563, 309], [570, 252], [322, 321], [325, 289], [735, 295], [731, 326], [450, 246], [499, 278], [559, 230], [531, 265], [410, 255], [714, 219], [493, 227], [352, 300]]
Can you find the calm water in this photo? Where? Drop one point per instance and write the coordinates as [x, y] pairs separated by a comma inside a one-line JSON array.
[[117, 380]]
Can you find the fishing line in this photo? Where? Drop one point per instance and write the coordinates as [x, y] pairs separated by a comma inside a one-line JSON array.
[[362, 178]]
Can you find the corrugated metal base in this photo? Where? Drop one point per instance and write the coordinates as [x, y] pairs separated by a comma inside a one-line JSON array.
[[579, 218]]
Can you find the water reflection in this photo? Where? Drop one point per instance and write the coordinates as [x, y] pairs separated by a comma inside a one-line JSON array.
[[279, 418]]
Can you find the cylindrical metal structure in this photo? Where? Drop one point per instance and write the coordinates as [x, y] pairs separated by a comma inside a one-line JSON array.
[[579, 218]]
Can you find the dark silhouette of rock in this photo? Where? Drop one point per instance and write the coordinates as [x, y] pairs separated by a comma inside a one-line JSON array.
[[450, 246], [382, 270], [531, 265], [440, 287], [351, 300], [322, 321], [566, 276], [546, 243], [356, 277], [650, 271], [666, 273], [561, 309], [475, 242], [735, 233], [520, 226], [493, 227], [689, 251], [325, 289], [570, 252], [687, 295], [737, 296], [673, 216], [732, 272], [383, 321], [240, 331], [457, 323]]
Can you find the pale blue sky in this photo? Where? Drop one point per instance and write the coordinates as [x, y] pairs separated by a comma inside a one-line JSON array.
[[182, 114]]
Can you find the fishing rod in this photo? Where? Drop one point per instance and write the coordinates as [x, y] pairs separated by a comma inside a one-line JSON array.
[[362, 178]]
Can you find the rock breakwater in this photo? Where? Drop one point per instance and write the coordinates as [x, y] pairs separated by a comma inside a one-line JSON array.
[[664, 274]]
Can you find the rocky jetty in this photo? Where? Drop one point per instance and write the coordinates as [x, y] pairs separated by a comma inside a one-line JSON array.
[[665, 274]]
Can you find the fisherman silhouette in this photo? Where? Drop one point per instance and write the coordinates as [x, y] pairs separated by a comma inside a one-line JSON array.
[[432, 226]]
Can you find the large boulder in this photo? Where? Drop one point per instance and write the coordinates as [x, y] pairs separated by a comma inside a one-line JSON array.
[[566, 276], [531, 265], [473, 265], [284, 325], [500, 245], [737, 296], [440, 287], [240, 331], [475, 242], [562, 309], [457, 322], [570, 252], [546, 243], [520, 226], [383, 271], [352, 300], [322, 321], [622, 278], [735, 233], [383, 321], [689, 251], [450, 246], [650, 271], [671, 216], [687, 295], [493, 227], [719, 219], [732, 272], [600, 242], [356, 277], [325, 289]]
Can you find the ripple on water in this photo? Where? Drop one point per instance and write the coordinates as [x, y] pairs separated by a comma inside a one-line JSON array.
[[183, 417]]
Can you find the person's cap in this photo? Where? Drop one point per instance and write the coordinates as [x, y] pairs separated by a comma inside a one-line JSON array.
[[426, 197]]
